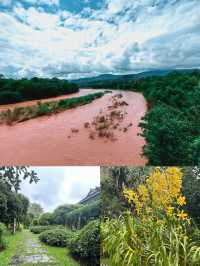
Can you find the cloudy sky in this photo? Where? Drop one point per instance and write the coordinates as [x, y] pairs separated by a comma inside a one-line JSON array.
[[77, 38], [61, 185]]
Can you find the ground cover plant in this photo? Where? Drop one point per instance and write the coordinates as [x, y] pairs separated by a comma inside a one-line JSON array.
[[153, 227], [20, 114], [12, 91]]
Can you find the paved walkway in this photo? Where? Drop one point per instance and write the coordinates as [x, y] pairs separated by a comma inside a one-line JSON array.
[[31, 252]]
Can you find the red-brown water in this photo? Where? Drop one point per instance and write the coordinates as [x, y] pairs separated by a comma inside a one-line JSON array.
[[48, 140]]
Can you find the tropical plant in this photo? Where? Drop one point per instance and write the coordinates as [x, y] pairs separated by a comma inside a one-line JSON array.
[[157, 231]]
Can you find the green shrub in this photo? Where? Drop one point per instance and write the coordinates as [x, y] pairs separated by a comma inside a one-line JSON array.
[[56, 237], [85, 244], [39, 229]]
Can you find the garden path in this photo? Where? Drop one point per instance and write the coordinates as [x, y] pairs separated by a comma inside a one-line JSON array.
[[31, 252]]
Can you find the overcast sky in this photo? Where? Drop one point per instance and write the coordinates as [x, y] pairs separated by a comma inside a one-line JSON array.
[[61, 185], [77, 38]]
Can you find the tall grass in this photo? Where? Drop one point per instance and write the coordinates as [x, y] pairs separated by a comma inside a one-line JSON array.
[[131, 242]]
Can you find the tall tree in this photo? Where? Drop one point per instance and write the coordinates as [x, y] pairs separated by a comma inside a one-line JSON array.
[[14, 175]]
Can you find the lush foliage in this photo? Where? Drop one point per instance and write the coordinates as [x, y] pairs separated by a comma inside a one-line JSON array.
[[12, 91], [13, 205], [156, 230], [59, 214], [55, 237], [85, 244], [191, 190], [20, 114], [39, 229], [82, 215], [172, 119]]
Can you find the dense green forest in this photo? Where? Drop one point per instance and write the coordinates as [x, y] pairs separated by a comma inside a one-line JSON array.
[[150, 216], [171, 126], [71, 233], [12, 91]]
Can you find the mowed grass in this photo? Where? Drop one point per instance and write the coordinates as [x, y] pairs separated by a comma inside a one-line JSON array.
[[12, 243], [62, 256], [20, 114]]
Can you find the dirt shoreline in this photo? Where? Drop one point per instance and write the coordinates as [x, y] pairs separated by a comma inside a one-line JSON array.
[[50, 140]]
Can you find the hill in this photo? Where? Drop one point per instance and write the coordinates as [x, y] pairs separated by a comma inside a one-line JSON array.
[[106, 79]]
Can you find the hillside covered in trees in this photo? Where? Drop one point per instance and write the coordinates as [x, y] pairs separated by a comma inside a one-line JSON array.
[[12, 91]]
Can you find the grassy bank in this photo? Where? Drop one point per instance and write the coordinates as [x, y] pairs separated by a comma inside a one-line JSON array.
[[20, 114]]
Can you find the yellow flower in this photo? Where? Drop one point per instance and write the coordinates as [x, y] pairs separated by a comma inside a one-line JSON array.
[[170, 211], [182, 215], [181, 200]]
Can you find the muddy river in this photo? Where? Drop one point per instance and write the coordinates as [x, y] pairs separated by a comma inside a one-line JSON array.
[[80, 136]]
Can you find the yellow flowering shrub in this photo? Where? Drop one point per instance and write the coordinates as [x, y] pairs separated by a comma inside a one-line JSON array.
[[161, 191], [159, 232]]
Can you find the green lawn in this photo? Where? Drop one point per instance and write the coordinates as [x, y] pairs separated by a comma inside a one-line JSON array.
[[9, 252]]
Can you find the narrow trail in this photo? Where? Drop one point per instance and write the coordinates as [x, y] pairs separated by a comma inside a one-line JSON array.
[[31, 252]]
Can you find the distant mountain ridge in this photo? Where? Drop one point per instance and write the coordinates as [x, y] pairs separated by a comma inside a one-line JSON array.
[[127, 77]]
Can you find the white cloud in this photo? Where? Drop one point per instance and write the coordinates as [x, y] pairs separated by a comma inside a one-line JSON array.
[[43, 2], [122, 36], [61, 185]]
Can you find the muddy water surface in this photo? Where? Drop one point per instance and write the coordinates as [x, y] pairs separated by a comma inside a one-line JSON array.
[[64, 139]]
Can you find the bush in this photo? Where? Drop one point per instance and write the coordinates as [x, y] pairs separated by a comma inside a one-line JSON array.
[[39, 229], [85, 244], [57, 237]]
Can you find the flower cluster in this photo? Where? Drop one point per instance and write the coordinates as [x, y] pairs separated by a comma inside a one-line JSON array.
[[161, 191]]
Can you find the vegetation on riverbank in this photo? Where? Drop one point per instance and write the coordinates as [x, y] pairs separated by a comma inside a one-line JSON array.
[[13, 91], [150, 220], [171, 126], [20, 114]]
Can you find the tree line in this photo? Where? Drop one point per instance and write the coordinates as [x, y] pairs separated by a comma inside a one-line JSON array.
[[12, 91]]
